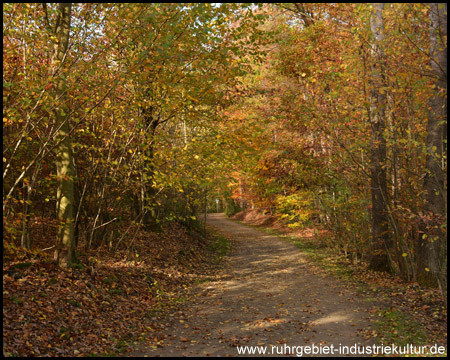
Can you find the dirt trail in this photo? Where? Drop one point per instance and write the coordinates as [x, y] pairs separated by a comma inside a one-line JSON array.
[[267, 295]]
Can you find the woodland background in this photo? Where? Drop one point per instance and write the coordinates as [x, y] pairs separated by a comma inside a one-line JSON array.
[[128, 121]]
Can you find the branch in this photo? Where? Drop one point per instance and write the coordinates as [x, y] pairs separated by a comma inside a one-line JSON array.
[[47, 22]]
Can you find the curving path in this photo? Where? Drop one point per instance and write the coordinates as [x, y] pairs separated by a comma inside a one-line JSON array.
[[268, 295]]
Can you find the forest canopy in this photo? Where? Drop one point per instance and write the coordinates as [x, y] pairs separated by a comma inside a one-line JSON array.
[[123, 116]]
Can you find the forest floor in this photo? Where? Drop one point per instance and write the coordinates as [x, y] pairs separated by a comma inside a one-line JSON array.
[[267, 294], [104, 303], [270, 294], [180, 293]]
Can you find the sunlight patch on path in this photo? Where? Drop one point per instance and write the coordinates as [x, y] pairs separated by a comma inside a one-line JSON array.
[[267, 294]]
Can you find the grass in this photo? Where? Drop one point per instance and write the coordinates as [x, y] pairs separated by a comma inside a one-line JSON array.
[[397, 328], [202, 281], [221, 247]]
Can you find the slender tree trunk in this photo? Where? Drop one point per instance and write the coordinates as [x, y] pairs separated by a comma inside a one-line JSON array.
[[379, 259], [150, 216], [64, 166], [432, 250], [25, 241], [28, 189]]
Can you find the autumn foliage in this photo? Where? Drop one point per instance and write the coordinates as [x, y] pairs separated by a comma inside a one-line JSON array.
[[344, 118], [127, 121]]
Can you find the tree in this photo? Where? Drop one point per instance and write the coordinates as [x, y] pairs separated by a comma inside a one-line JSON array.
[[64, 157], [432, 243], [380, 230]]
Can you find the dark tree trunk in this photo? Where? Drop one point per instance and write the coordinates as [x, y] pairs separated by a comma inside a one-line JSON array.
[[379, 259], [431, 248]]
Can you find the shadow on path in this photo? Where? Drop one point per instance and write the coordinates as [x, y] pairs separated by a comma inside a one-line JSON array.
[[267, 296]]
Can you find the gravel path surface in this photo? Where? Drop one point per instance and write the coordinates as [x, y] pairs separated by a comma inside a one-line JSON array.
[[267, 295]]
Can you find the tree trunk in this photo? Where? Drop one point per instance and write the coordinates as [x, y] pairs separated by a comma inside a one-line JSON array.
[[64, 165], [150, 216], [379, 259], [431, 249]]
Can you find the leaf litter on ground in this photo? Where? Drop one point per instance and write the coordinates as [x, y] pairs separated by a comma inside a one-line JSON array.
[[103, 304]]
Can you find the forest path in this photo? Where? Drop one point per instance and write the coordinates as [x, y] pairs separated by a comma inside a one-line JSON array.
[[266, 295]]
